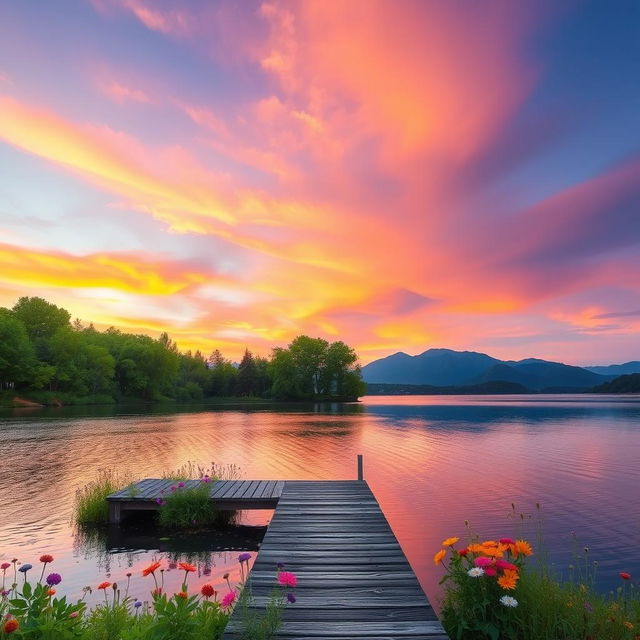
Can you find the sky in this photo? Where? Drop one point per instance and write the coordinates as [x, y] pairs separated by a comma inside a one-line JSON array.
[[396, 174]]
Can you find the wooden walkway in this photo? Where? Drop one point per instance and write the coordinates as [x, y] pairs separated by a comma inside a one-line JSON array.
[[354, 581], [227, 495]]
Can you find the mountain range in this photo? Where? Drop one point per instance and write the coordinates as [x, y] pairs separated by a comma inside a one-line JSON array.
[[445, 367]]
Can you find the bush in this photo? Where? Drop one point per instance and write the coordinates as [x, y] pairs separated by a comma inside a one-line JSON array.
[[188, 506], [491, 593]]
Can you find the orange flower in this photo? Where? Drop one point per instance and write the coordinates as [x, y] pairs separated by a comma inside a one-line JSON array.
[[489, 543], [185, 566], [104, 585], [11, 625], [438, 557], [508, 579], [46, 558], [151, 568], [628, 624], [521, 547], [493, 552], [51, 592], [182, 594], [476, 548], [449, 542]]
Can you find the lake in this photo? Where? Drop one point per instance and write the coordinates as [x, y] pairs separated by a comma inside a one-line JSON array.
[[432, 462]]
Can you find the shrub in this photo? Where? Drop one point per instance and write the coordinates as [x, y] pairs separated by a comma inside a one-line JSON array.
[[188, 506], [491, 593]]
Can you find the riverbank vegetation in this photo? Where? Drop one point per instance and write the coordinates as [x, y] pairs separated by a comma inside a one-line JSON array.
[[47, 359], [494, 590], [36, 612]]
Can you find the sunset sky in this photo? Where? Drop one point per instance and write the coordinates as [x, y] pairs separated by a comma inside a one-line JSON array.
[[396, 174]]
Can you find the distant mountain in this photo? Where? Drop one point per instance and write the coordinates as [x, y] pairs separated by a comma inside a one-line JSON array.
[[493, 388], [448, 368], [629, 383], [438, 367], [616, 369]]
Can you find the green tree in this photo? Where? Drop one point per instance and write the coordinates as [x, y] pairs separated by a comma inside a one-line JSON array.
[[17, 357], [247, 375], [309, 356], [41, 318]]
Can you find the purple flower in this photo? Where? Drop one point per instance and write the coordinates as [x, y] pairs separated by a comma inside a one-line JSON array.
[[181, 484], [244, 557], [137, 604], [173, 487], [205, 479], [4, 593], [160, 501], [291, 598], [280, 566], [53, 579], [24, 568]]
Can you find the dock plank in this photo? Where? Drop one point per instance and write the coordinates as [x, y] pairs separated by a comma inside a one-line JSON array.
[[354, 580]]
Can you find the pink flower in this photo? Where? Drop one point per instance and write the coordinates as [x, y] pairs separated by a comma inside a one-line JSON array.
[[287, 579], [490, 571], [4, 566], [228, 600], [483, 561], [503, 564], [506, 541]]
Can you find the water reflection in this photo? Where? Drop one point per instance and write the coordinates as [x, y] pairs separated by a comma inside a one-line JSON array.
[[431, 461]]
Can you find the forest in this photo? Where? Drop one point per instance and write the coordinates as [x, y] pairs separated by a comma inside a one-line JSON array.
[[46, 357]]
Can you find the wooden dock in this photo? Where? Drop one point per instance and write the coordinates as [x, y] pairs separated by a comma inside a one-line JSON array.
[[231, 495], [354, 581]]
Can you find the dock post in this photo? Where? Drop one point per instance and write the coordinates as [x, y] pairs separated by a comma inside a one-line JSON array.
[[360, 469], [115, 513]]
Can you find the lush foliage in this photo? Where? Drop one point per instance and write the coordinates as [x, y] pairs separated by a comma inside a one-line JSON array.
[[185, 506], [492, 593], [34, 612], [53, 360], [90, 505]]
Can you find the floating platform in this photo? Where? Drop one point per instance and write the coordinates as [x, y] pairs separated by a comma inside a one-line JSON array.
[[354, 581]]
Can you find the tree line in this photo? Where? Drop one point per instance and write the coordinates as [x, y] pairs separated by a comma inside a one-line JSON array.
[[43, 352]]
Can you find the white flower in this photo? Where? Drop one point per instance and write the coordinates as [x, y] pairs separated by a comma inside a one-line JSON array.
[[476, 572], [508, 601]]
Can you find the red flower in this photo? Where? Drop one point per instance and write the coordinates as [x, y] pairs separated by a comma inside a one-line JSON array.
[[151, 568], [625, 576], [104, 585], [506, 541], [46, 558], [11, 625], [157, 592], [185, 566], [463, 552], [287, 579], [503, 564], [51, 592], [207, 590], [182, 594]]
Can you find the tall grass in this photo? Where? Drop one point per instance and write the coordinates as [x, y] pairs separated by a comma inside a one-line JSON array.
[[90, 504], [193, 471]]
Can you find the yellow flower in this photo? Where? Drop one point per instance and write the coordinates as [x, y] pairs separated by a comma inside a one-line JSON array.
[[438, 557], [449, 542], [627, 624], [508, 579]]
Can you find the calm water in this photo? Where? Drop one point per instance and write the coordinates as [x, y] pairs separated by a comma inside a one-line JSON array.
[[432, 462]]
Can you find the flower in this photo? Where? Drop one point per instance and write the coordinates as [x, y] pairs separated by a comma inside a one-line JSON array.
[[483, 561], [157, 591], [228, 600], [508, 601], [628, 624], [24, 568], [46, 558], [51, 592], [4, 566], [151, 568], [207, 590], [280, 566], [74, 614], [625, 576], [490, 571], [291, 598], [244, 557], [104, 585], [438, 557], [186, 566], [476, 572], [521, 547], [181, 485], [506, 541], [137, 604], [463, 552], [160, 501], [287, 579], [503, 564], [182, 594], [53, 579], [449, 542], [508, 579], [11, 625]]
